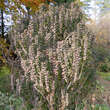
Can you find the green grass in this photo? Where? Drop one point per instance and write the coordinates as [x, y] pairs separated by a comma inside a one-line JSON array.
[[104, 75], [4, 70], [101, 107]]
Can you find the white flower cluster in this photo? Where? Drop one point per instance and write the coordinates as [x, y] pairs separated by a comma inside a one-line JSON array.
[[58, 52]]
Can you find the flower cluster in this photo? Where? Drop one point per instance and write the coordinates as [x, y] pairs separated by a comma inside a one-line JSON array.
[[53, 57]]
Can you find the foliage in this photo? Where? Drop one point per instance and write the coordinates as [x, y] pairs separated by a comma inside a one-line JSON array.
[[101, 52], [3, 49], [102, 58], [7, 102], [102, 33], [99, 8], [5, 84], [55, 55], [104, 75], [104, 67], [101, 107], [104, 6], [28, 94], [79, 2], [63, 1], [4, 70], [33, 4], [11, 7]]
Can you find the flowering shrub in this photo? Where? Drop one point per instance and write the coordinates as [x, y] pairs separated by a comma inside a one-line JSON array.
[[54, 54]]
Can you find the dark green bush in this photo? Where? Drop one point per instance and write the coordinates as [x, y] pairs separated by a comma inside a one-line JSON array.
[[104, 68], [101, 56], [8, 102]]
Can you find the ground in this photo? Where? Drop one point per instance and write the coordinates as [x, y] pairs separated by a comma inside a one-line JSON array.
[[106, 89]]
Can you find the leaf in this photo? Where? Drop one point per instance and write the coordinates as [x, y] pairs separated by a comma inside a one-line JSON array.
[[33, 4]]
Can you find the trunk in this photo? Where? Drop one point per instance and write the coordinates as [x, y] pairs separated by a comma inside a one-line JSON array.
[[12, 79], [2, 23], [28, 12], [12, 82]]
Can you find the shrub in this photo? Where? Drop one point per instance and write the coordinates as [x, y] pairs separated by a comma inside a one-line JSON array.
[[104, 68], [55, 56], [101, 57], [8, 102]]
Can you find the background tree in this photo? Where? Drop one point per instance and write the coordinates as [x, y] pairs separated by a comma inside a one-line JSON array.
[[2, 23], [3, 11], [104, 6]]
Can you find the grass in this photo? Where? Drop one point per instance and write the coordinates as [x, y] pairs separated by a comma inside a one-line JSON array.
[[4, 71], [101, 107], [104, 75]]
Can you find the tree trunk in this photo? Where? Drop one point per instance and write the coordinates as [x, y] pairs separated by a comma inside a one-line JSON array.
[[12, 79], [28, 13], [2, 23], [12, 82], [65, 1]]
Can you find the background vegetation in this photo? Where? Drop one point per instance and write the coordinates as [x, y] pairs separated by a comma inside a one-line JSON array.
[[18, 93]]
